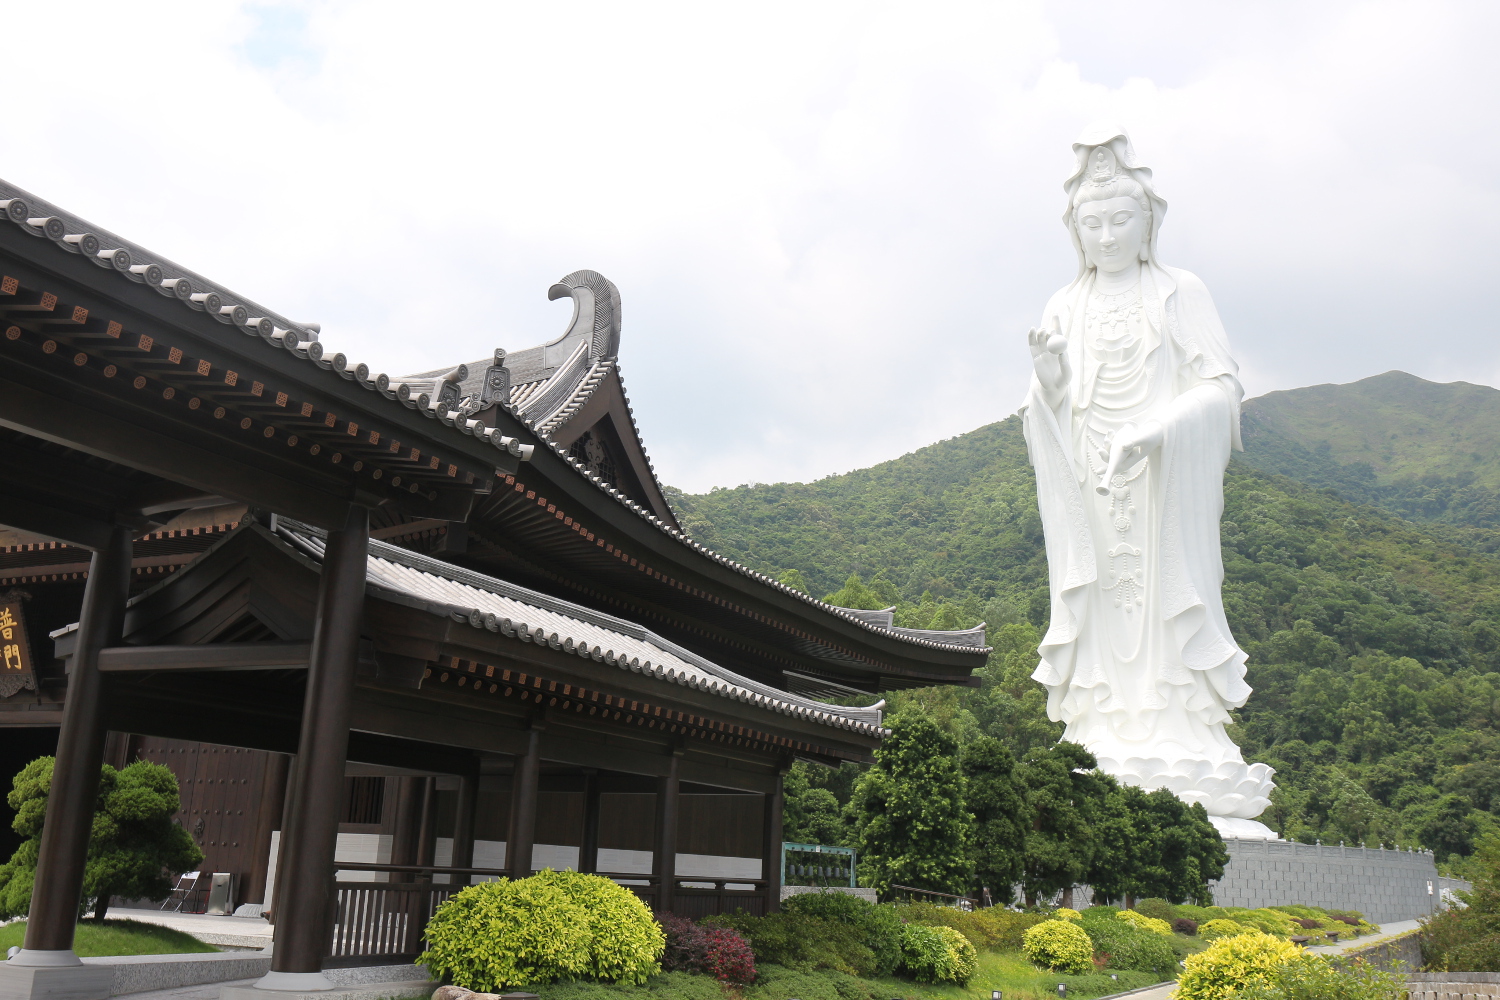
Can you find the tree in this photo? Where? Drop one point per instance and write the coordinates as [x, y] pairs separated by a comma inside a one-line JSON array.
[[1060, 845], [135, 847], [1450, 829], [911, 825], [1001, 817], [1116, 840], [811, 814], [1176, 850]]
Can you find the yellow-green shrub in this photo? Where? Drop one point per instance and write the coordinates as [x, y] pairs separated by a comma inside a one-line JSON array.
[[982, 930], [1060, 945], [937, 954], [1064, 913], [1221, 928], [1231, 964], [1270, 921], [1145, 923], [551, 926]]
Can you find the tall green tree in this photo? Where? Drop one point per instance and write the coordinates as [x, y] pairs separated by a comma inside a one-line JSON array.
[[1001, 816], [135, 847], [1177, 851], [1060, 848], [812, 814], [911, 826]]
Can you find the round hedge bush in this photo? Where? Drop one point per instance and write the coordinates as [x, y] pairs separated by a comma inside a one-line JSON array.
[[1232, 964], [1153, 924], [553, 925], [937, 954], [1060, 945], [1222, 928], [1066, 913]]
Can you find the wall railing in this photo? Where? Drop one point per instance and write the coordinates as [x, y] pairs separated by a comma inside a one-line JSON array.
[[383, 922]]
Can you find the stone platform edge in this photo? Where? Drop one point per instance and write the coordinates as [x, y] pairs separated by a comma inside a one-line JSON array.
[[400, 990]]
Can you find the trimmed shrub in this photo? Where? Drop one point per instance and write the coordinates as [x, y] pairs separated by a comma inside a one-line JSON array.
[[1158, 908], [1311, 977], [937, 954], [1005, 927], [666, 986], [1060, 945], [881, 925], [1232, 964], [624, 940], [1182, 925], [553, 925], [1066, 913], [777, 983], [1203, 914], [1221, 928], [714, 951], [801, 942], [1153, 924], [1130, 948]]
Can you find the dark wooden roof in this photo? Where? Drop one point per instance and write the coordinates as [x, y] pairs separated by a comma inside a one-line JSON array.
[[137, 385]]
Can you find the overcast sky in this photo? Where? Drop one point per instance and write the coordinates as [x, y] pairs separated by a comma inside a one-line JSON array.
[[831, 223]]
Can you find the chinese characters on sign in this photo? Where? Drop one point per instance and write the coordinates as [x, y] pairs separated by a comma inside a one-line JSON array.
[[15, 650]]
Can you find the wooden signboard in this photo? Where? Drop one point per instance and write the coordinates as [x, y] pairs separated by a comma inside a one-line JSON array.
[[15, 649]]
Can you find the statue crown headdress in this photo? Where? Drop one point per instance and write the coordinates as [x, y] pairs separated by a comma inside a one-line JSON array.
[[1102, 165]]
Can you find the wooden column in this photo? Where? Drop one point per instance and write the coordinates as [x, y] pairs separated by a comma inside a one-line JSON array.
[[119, 750], [770, 852], [463, 823], [303, 919], [406, 830], [588, 853], [427, 822], [268, 819], [80, 752], [523, 789], [664, 859]]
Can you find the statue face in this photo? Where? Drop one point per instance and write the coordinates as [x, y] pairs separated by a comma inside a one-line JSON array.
[[1112, 232]]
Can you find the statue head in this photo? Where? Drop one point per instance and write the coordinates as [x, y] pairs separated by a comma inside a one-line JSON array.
[[1113, 214]]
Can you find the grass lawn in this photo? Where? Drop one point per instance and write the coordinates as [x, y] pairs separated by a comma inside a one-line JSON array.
[[116, 937], [1007, 971]]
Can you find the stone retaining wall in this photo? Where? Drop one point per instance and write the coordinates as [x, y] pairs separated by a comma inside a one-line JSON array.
[[1454, 985], [1383, 885], [788, 891]]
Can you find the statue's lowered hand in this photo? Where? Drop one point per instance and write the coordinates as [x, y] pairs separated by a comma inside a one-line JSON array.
[[1129, 444]]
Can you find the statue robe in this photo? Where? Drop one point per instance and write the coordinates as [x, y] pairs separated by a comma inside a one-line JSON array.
[[1138, 659]]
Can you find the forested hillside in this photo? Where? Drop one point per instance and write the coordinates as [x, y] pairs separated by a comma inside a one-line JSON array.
[[1374, 640], [1422, 450]]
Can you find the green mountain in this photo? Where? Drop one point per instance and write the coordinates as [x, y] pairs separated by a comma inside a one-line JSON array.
[[1423, 450], [1371, 614]]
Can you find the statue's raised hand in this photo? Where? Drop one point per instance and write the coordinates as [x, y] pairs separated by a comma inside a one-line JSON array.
[[1049, 356]]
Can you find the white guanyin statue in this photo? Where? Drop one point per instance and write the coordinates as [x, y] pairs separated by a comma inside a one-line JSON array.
[[1133, 409]]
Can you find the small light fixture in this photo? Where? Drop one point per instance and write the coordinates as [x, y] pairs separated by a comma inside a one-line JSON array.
[[1062, 989], [1115, 976], [996, 995]]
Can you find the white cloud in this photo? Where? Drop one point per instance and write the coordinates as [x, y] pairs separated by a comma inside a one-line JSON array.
[[831, 223]]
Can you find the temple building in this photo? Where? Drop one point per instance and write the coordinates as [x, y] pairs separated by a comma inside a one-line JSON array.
[[392, 634]]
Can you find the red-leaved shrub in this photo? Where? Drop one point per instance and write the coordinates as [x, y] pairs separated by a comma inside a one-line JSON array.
[[715, 951], [1185, 925]]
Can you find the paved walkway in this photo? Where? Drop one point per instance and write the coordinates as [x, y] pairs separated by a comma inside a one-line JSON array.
[[234, 932], [203, 991], [1154, 993], [1387, 931]]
